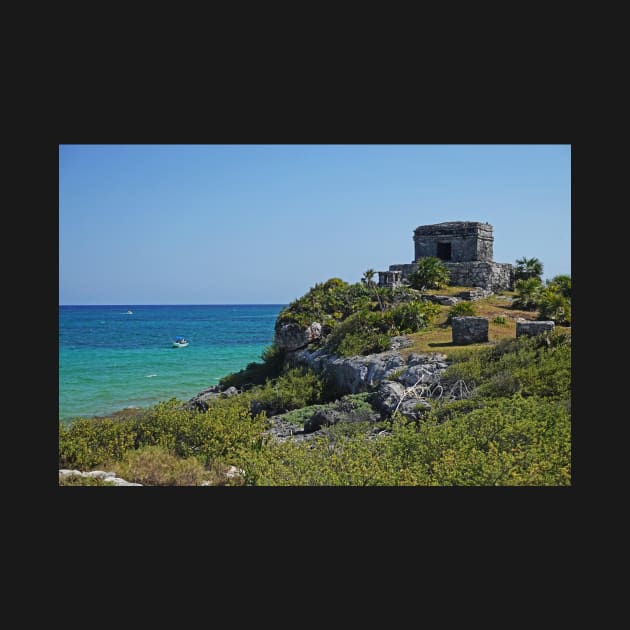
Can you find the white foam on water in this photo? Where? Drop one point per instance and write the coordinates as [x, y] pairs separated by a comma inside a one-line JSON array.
[[150, 375]]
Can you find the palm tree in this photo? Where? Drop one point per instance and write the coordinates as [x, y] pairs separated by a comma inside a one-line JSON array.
[[368, 277], [527, 268], [368, 280]]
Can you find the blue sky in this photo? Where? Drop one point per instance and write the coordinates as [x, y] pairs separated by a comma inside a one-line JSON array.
[[261, 224]]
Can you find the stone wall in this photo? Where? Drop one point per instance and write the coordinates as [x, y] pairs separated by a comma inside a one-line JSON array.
[[490, 276], [405, 269], [487, 275], [468, 240]]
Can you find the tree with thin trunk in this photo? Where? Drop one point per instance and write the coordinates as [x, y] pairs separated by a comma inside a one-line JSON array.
[[368, 280]]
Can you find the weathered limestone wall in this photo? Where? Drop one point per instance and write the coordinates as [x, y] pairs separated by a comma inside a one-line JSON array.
[[487, 275], [468, 240]]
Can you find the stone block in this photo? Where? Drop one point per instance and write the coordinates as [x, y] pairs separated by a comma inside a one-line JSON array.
[[469, 330], [534, 328]]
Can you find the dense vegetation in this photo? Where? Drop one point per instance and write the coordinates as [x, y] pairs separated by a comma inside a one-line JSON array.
[[327, 303], [430, 273], [513, 429], [552, 300]]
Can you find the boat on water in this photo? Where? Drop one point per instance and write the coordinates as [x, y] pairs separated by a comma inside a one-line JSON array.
[[129, 312], [180, 342]]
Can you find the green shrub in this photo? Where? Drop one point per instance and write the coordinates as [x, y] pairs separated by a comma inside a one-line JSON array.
[[499, 320], [221, 433], [78, 480], [412, 316], [461, 309], [256, 373], [555, 306], [561, 284], [295, 388], [368, 332], [528, 294], [430, 273], [508, 441], [327, 303], [225, 430], [86, 443], [363, 343], [360, 333], [156, 466], [533, 366]]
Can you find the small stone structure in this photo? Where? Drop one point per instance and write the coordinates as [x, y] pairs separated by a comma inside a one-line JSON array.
[[466, 248], [389, 279], [454, 241], [469, 330], [534, 328]]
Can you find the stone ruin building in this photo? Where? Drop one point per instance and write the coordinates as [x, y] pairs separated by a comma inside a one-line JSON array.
[[465, 247]]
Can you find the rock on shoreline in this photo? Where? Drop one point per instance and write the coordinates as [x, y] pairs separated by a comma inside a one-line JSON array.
[[97, 474]]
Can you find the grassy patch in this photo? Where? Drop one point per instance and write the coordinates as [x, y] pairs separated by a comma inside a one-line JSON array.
[[156, 466], [449, 290], [438, 337]]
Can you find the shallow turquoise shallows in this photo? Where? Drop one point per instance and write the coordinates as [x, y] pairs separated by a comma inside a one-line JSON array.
[[111, 359]]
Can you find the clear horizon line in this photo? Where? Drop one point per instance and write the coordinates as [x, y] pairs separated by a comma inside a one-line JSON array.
[[187, 304]]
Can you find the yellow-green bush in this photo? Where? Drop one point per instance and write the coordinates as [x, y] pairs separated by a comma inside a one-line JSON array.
[[86, 443], [156, 466], [220, 433], [510, 441]]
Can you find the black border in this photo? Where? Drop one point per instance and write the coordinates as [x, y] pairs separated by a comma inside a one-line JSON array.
[[308, 514]]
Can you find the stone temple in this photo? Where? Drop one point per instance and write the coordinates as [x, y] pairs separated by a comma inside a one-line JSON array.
[[465, 247]]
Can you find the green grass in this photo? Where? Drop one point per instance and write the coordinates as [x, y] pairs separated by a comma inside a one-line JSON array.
[[438, 337]]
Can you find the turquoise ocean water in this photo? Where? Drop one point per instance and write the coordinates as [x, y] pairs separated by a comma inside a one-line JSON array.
[[110, 360]]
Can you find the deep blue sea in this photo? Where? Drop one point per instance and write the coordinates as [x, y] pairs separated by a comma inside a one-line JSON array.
[[110, 360]]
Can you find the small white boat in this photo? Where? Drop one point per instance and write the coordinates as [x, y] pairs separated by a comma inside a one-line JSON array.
[[129, 312], [180, 342]]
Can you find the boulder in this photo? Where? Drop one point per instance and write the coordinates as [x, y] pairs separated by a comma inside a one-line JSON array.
[[388, 396], [322, 418], [200, 401], [401, 341], [292, 336], [444, 300], [414, 408], [99, 474], [425, 373]]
